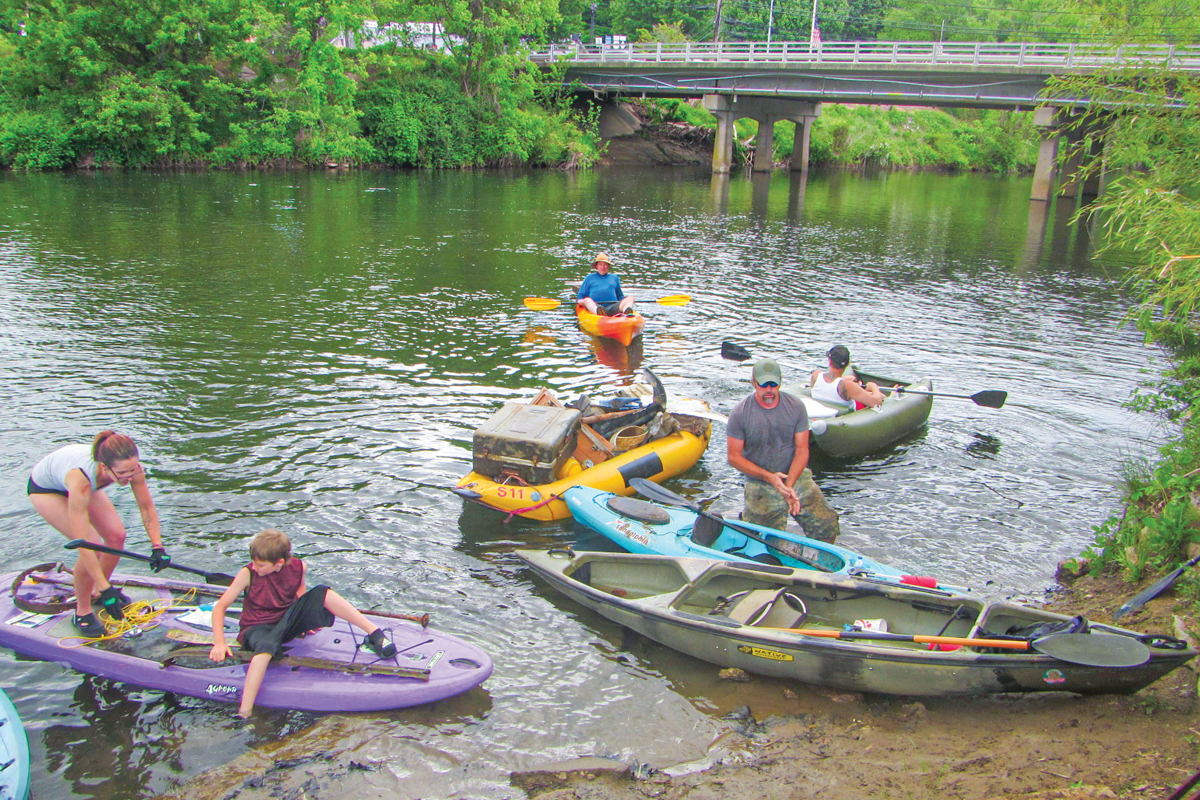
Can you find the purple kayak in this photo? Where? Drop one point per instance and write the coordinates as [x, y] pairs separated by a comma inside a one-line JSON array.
[[324, 671]]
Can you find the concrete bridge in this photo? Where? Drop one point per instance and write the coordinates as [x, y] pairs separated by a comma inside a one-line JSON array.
[[788, 80]]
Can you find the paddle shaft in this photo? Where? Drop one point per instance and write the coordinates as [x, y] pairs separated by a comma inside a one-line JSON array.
[[990, 398], [215, 578], [549, 303], [1008, 644], [423, 619], [1102, 650]]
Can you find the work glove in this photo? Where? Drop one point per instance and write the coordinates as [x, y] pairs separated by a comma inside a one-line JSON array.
[[113, 600], [159, 559]]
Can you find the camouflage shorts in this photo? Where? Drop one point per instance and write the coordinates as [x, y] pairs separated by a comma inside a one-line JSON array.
[[765, 506]]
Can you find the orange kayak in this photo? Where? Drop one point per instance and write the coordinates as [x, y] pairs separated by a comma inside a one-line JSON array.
[[622, 328]]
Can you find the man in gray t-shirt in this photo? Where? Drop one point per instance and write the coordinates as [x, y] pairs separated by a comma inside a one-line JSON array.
[[767, 439]]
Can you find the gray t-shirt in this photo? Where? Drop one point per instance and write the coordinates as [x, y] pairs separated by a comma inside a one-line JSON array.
[[769, 434]]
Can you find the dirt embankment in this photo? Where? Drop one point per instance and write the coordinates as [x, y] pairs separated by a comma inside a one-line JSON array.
[[659, 145], [631, 139], [1028, 746]]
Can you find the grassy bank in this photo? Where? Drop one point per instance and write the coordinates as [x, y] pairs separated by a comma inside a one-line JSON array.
[[1159, 525], [890, 137]]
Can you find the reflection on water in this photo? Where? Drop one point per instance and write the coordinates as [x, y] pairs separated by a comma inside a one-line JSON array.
[[312, 352]]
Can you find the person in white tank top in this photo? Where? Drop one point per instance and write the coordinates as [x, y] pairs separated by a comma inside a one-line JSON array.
[[837, 389], [66, 489]]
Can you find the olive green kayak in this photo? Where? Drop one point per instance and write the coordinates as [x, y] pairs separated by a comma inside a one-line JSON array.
[[847, 434]]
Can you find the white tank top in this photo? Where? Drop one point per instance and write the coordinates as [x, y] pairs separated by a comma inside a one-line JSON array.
[[51, 472], [828, 392]]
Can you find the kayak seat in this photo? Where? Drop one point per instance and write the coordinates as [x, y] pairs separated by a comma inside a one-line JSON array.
[[638, 510], [768, 608], [707, 529]]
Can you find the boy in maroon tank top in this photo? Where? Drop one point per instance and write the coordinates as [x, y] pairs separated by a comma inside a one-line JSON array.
[[277, 609]]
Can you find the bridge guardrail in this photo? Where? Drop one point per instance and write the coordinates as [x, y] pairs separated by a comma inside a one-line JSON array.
[[1039, 55]]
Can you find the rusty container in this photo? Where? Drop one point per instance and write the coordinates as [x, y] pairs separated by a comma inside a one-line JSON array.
[[532, 441]]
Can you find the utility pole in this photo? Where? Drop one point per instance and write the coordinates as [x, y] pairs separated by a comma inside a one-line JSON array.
[[717, 24], [812, 34], [593, 33], [770, 22]]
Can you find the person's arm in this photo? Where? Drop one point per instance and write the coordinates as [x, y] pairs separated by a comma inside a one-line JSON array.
[[220, 650], [145, 504], [79, 497], [799, 463], [868, 395], [303, 580], [617, 288], [737, 459]]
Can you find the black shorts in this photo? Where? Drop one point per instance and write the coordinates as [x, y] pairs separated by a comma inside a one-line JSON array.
[[306, 614], [609, 309], [33, 488]]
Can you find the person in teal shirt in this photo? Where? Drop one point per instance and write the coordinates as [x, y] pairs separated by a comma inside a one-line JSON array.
[[600, 292]]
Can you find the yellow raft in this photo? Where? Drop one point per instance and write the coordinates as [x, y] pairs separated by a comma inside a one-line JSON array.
[[655, 460]]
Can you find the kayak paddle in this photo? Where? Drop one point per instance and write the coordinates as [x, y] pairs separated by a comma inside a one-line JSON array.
[[991, 398], [547, 303], [661, 494], [1148, 594], [1090, 649], [214, 578]]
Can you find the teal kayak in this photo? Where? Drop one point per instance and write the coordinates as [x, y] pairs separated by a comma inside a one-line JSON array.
[[652, 529], [847, 434], [14, 753]]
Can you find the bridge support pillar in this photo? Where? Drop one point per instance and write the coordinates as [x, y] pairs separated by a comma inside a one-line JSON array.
[[801, 143], [1044, 172], [721, 107], [764, 144], [1097, 179]]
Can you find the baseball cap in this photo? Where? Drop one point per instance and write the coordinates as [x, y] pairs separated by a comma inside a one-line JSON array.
[[766, 371], [839, 355]]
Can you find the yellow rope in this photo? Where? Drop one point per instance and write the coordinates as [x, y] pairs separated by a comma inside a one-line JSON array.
[[140, 616]]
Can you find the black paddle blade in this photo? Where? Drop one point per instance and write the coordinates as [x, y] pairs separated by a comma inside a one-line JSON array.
[[1146, 595], [660, 494], [992, 398], [734, 352], [1093, 649]]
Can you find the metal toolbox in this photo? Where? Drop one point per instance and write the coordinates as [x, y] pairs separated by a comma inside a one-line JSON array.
[[532, 441]]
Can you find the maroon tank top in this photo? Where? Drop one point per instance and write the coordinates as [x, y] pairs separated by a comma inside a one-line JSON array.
[[268, 596]]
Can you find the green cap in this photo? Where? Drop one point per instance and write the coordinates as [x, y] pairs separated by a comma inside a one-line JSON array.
[[766, 371]]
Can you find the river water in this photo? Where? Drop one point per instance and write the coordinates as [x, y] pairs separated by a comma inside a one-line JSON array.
[[312, 352]]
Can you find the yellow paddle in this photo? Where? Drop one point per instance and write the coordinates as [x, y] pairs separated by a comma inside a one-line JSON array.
[[547, 304]]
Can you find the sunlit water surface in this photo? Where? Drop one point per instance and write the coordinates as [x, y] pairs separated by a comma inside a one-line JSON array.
[[313, 351]]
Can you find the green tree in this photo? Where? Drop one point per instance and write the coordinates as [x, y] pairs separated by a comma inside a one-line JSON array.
[[490, 36], [122, 81], [1147, 119], [630, 16]]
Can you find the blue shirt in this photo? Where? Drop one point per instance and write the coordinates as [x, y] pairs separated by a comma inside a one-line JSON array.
[[601, 288]]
